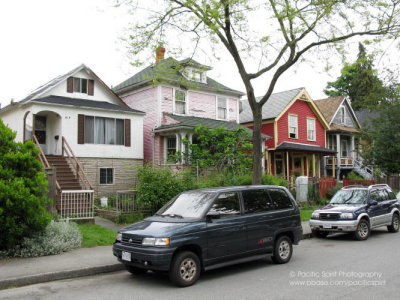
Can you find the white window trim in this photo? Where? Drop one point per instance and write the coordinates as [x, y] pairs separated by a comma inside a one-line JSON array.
[[186, 102], [113, 177], [227, 108], [297, 126], [315, 129], [342, 115]]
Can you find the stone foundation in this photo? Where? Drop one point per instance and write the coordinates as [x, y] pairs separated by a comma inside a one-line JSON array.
[[124, 174]]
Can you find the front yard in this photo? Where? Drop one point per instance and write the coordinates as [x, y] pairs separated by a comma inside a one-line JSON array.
[[95, 235]]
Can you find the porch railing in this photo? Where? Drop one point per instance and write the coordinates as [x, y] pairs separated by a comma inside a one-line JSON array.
[[76, 204], [79, 172], [43, 159], [343, 161]]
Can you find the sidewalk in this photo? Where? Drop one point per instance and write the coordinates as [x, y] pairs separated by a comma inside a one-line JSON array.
[[76, 263]]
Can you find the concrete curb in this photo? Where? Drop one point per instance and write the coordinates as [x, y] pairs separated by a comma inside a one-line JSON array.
[[45, 277]]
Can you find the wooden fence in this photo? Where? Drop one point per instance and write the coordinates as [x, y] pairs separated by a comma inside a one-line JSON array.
[[365, 182], [392, 181], [326, 183]]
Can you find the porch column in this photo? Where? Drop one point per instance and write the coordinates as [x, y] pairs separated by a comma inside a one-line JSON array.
[[338, 146], [263, 157], [313, 165], [287, 165], [333, 166], [353, 148], [183, 146]]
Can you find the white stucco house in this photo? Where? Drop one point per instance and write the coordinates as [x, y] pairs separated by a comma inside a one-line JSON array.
[[77, 114]]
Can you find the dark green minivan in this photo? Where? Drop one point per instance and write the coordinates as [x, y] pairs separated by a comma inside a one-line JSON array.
[[204, 229]]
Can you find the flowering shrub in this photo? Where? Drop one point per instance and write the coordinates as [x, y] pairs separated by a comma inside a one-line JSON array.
[[58, 237]]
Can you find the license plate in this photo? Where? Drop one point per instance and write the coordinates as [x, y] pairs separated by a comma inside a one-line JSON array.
[[126, 256], [327, 226]]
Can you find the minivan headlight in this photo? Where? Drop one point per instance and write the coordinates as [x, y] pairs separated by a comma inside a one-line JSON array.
[[119, 237], [315, 215], [346, 216], [149, 241]]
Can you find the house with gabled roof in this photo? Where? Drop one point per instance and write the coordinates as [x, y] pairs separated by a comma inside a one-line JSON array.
[[177, 96], [343, 137], [297, 128], [84, 130]]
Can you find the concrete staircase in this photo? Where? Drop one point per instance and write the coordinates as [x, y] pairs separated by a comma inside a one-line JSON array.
[[364, 171], [65, 176]]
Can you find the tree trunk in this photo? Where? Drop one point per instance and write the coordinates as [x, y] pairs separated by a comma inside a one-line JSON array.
[[257, 140]]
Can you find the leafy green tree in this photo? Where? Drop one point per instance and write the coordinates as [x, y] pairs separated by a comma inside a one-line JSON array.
[[360, 82], [220, 149], [23, 190], [284, 33], [381, 145]]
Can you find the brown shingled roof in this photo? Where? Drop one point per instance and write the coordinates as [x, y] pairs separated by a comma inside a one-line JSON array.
[[329, 106], [337, 127]]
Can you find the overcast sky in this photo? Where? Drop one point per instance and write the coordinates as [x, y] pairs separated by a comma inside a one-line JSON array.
[[42, 39]]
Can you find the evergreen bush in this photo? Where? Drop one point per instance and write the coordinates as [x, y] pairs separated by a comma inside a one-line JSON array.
[[23, 190]]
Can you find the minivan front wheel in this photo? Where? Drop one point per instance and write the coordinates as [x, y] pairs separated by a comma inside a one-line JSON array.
[[185, 269], [283, 250]]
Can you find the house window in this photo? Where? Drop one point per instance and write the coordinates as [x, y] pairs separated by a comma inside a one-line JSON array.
[[293, 126], [222, 110], [40, 129], [197, 76], [106, 176], [80, 85], [332, 142], [180, 102], [100, 130], [171, 147], [310, 129], [342, 115]]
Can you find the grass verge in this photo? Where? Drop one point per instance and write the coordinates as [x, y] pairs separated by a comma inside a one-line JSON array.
[[95, 235]]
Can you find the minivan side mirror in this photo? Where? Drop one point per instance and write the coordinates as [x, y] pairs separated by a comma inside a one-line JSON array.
[[213, 215], [373, 202]]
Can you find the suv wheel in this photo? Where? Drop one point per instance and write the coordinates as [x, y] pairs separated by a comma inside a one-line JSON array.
[[362, 232], [185, 269], [283, 250], [135, 270], [394, 227], [319, 234]]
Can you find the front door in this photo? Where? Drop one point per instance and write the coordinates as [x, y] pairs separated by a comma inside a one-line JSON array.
[[225, 235]]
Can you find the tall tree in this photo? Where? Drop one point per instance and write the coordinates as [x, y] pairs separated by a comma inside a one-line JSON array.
[[277, 34], [381, 145], [360, 82]]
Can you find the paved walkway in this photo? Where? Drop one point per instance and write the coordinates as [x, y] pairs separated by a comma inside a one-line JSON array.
[[76, 263]]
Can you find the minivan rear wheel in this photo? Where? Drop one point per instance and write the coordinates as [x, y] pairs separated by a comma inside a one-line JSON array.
[[185, 269], [283, 250]]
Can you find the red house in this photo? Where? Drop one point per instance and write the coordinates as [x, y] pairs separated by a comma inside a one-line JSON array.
[[298, 131]]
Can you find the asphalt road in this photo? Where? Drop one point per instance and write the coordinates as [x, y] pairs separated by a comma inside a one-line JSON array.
[[334, 268]]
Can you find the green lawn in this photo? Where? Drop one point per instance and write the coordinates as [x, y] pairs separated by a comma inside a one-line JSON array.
[[95, 235], [305, 212]]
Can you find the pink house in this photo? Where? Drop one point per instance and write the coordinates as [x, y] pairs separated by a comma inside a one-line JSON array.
[[177, 96]]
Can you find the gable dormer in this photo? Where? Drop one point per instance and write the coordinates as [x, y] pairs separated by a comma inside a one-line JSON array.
[[194, 71], [344, 115]]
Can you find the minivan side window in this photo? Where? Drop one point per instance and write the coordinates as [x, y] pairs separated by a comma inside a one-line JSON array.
[[280, 198], [256, 201], [227, 204]]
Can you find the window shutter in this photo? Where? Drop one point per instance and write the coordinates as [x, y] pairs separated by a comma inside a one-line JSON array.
[[127, 132], [91, 87], [81, 129], [70, 84]]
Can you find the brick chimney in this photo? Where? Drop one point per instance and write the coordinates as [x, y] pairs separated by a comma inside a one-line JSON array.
[[160, 51]]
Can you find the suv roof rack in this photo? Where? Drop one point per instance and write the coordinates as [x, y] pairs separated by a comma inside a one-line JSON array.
[[354, 186], [378, 185]]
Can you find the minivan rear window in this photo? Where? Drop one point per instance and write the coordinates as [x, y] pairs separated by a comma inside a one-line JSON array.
[[281, 198], [256, 201]]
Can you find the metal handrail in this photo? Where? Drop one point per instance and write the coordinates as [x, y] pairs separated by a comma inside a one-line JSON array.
[[77, 166], [43, 159]]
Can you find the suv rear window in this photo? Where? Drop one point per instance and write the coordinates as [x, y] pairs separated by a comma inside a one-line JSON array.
[[281, 198], [256, 201]]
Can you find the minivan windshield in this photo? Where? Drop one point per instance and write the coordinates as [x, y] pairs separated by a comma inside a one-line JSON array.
[[187, 205], [349, 197]]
